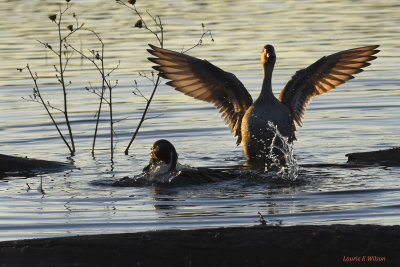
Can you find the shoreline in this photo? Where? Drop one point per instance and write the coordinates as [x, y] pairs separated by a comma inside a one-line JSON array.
[[303, 245]]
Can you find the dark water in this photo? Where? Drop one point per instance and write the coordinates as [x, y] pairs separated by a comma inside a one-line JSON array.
[[361, 115]]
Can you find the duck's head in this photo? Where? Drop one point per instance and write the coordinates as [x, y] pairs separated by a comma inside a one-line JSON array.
[[268, 54], [163, 152]]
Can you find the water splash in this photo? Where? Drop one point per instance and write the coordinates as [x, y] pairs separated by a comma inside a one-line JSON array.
[[160, 173], [288, 171]]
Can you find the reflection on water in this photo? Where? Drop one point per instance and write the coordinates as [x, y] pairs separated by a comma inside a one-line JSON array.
[[361, 115]]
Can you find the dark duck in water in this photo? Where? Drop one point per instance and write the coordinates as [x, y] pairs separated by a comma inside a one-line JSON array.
[[164, 169], [247, 119], [163, 157]]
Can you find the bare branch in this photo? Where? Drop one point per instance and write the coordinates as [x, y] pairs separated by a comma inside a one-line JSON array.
[[143, 115], [156, 19], [154, 117], [47, 45], [37, 94], [94, 58], [136, 91], [200, 41]]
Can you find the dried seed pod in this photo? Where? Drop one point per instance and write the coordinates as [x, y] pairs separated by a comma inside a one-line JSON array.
[[53, 17], [139, 24]]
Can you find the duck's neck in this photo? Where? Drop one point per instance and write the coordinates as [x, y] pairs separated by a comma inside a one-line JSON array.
[[266, 92]]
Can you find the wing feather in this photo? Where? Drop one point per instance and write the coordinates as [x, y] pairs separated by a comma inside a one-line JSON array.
[[204, 81], [323, 76]]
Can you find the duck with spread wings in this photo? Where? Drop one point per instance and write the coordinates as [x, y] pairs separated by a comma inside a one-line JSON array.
[[247, 119]]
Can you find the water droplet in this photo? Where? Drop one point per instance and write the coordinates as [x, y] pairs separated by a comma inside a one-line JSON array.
[[290, 169]]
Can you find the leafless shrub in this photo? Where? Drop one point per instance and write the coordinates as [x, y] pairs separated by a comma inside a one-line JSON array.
[[97, 59], [63, 54], [64, 51]]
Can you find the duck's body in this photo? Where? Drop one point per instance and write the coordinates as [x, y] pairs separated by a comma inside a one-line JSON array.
[[250, 120], [164, 169], [256, 134]]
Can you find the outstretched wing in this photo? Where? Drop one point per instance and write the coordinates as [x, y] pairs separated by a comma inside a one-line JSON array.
[[322, 76], [202, 80]]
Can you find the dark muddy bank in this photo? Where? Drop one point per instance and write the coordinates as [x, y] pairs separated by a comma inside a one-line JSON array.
[[11, 165], [331, 245], [387, 157]]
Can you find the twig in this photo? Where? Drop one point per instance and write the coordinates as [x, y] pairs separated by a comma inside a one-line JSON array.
[[105, 85], [144, 114], [141, 23], [200, 42], [62, 70], [38, 94], [34, 99], [64, 55], [262, 221], [101, 98], [159, 34], [139, 93]]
